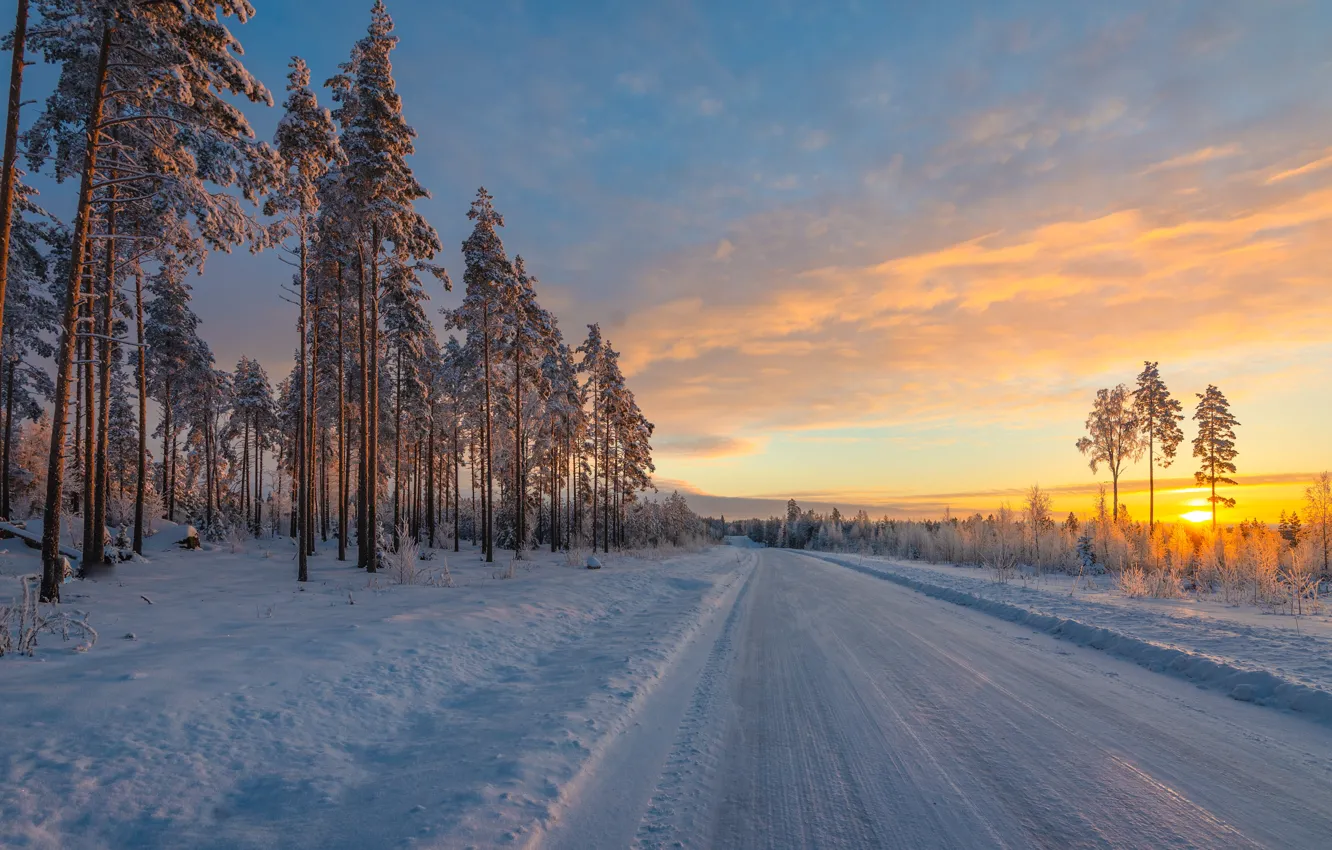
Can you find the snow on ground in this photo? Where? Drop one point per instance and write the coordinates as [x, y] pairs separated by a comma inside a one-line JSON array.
[[1253, 656], [240, 709]]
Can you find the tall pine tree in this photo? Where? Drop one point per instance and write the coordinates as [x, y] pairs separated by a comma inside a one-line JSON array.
[[1215, 445], [1159, 416]]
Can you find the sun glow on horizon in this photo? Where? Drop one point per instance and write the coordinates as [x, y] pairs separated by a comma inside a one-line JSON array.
[[1197, 516]]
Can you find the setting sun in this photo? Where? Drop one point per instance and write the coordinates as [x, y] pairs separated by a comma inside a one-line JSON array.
[[1197, 516]]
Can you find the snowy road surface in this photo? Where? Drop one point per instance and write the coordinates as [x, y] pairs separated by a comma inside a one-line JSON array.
[[834, 709]]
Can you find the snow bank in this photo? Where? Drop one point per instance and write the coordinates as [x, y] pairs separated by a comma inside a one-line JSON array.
[[239, 708], [1245, 682]]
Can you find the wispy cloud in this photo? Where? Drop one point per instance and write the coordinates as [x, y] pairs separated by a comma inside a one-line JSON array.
[[708, 446], [1308, 168], [1198, 157]]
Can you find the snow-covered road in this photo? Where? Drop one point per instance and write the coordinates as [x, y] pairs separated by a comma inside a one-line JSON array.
[[834, 709]]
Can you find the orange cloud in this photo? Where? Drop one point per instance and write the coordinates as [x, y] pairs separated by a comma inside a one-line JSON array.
[[1197, 157], [1006, 323]]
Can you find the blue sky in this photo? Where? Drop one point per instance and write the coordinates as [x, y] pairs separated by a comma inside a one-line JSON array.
[[873, 251]]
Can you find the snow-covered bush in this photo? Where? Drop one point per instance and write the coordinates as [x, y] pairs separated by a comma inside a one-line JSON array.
[[403, 564], [22, 621]]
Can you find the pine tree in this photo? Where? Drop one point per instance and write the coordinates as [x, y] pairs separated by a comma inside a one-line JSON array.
[[1215, 445], [1159, 415], [307, 145], [9, 163], [1114, 435], [31, 319], [377, 141], [488, 277], [177, 359], [169, 132]]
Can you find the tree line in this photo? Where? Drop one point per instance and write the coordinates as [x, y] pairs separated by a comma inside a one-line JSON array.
[[503, 432]]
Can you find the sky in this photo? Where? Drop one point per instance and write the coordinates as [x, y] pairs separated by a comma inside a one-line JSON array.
[[879, 254]]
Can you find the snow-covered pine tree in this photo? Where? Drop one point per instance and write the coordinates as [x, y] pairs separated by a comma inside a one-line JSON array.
[[32, 318], [252, 418], [9, 179], [488, 277], [307, 145], [592, 364], [1159, 415], [383, 190], [169, 132], [529, 332], [409, 341], [1214, 445], [176, 358]]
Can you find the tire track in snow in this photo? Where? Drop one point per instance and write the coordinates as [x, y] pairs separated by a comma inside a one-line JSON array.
[[681, 799]]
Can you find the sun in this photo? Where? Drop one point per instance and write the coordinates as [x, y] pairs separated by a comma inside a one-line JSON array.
[[1197, 516]]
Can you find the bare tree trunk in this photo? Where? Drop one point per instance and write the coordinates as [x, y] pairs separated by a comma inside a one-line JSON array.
[[519, 475], [430, 483], [168, 453], [457, 484], [102, 481], [312, 492], [373, 500], [9, 439], [258, 479], [89, 307], [488, 500], [299, 506], [51, 559], [10, 164], [397, 448], [342, 429], [365, 533]]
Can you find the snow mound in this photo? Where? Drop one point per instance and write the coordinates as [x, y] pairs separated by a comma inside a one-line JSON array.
[[1259, 686]]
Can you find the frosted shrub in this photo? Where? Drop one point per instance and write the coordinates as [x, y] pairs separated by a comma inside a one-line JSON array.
[[1001, 556], [22, 621], [1264, 560], [403, 563], [237, 540], [1179, 551], [1133, 583]]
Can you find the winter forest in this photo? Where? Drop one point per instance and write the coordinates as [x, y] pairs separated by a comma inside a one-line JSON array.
[[504, 433]]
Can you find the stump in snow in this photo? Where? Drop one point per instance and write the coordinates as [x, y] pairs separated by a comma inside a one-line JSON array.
[[593, 563], [191, 538]]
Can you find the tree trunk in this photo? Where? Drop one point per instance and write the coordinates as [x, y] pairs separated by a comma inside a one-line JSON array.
[[258, 479], [1151, 479], [103, 482], [430, 483], [312, 428], [10, 164], [364, 545], [9, 439], [299, 505], [87, 325], [457, 483], [519, 477], [51, 559], [342, 430], [168, 454], [373, 499], [397, 448], [488, 500]]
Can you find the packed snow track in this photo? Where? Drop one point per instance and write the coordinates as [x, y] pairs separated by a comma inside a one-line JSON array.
[[834, 709]]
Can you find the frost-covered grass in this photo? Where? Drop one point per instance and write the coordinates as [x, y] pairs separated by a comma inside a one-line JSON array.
[[226, 705]]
